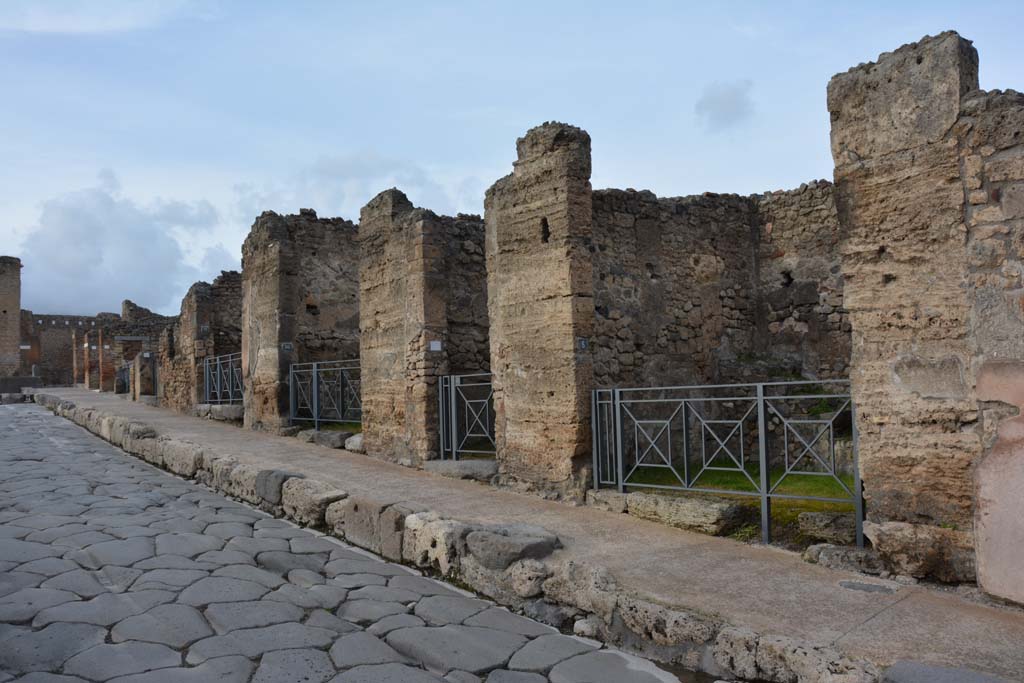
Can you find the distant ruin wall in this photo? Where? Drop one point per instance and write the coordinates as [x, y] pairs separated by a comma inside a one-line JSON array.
[[50, 346], [10, 316], [300, 303], [929, 177], [423, 298], [209, 325]]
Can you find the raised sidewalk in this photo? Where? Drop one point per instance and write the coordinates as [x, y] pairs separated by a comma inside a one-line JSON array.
[[720, 605]]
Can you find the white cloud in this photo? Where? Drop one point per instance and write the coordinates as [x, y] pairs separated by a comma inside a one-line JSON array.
[[85, 17], [724, 105], [92, 248]]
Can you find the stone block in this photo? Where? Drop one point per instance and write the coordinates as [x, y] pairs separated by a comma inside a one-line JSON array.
[[269, 483], [693, 513], [305, 500], [496, 547], [392, 529], [330, 438], [828, 527], [241, 483], [306, 435], [357, 520], [227, 412], [846, 558], [354, 443], [480, 470], [430, 540], [180, 457], [921, 550], [603, 499]]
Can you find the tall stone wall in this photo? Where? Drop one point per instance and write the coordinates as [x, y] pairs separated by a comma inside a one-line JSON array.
[[541, 306], [801, 322], [122, 337], [300, 303], [673, 286], [50, 349], [423, 300], [10, 316], [209, 325], [929, 175]]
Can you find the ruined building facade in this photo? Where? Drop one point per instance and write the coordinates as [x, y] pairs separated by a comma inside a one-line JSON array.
[[300, 303], [423, 314], [10, 316]]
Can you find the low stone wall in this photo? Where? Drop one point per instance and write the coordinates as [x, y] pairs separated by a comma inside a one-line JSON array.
[[519, 566]]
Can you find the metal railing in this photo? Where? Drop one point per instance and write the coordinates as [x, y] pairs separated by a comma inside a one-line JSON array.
[[222, 379], [328, 391], [466, 413], [774, 440]]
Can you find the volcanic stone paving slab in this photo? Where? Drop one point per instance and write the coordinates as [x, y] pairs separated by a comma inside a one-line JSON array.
[[113, 570]]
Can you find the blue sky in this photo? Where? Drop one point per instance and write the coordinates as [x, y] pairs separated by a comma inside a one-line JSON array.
[[140, 139]]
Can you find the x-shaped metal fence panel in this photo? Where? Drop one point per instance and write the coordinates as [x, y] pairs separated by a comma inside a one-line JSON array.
[[466, 415], [222, 378], [325, 392]]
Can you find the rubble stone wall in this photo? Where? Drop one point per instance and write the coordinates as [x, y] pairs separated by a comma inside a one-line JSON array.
[[541, 306], [929, 184], [50, 352], [423, 298], [10, 316], [209, 325], [300, 303]]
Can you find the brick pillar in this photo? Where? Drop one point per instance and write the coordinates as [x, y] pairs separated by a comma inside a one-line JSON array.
[[105, 355], [907, 287], [90, 360], [540, 303], [76, 366], [403, 327]]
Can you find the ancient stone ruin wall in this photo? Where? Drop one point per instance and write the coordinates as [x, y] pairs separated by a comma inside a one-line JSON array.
[[300, 303], [928, 178], [209, 325], [802, 328], [122, 337], [541, 306], [673, 289], [10, 316], [51, 351], [423, 294]]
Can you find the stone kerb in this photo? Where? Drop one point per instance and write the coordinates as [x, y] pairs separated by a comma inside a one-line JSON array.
[[519, 566]]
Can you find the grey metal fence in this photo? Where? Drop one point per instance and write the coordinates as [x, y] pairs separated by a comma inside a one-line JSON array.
[[466, 416], [327, 391], [222, 378], [774, 440]]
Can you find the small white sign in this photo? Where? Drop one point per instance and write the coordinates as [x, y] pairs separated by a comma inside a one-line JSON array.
[[25, 347], [434, 345], [146, 354], [106, 346]]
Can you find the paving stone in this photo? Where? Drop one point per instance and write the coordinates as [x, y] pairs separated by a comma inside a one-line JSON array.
[[14, 550], [40, 677], [50, 566], [83, 540], [504, 676], [123, 553], [11, 582], [26, 603], [608, 667], [253, 642], [312, 544], [367, 566], [439, 610], [117, 579], [422, 585], [294, 595], [106, 609], [226, 557], [187, 544], [357, 580], [172, 562], [221, 589], [544, 652], [462, 677], [456, 647], [250, 573], [78, 581], [305, 578], [294, 666], [385, 594], [48, 648], [173, 625], [231, 616], [324, 619], [133, 531], [385, 673], [109, 661], [170, 577], [361, 648], [395, 621], [227, 530], [283, 562], [905, 671], [365, 612], [255, 546], [503, 620], [222, 670]]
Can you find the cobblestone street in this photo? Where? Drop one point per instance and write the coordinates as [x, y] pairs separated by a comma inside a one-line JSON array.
[[113, 570]]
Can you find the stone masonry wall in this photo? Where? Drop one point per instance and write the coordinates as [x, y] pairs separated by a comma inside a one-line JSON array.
[[209, 325], [423, 314], [928, 188], [10, 316], [122, 337], [673, 290], [300, 303], [49, 338], [802, 325], [541, 307]]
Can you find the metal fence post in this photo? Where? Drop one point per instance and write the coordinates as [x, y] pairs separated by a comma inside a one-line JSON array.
[[291, 394], [858, 493], [315, 396], [762, 438], [619, 471], [593, 434], [453, 415]]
